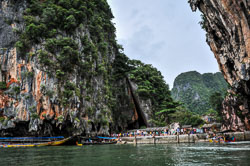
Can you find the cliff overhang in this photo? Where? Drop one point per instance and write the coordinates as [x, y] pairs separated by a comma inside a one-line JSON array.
[[227, 25]]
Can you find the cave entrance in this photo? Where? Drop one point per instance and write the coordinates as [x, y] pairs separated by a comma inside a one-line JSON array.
[[141, 119]]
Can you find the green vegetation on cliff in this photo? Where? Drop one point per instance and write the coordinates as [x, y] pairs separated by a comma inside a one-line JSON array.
[[55, 25], [185, 117], [3, 85], [74, 42], [151, 85], [194, 89], [215, 100]]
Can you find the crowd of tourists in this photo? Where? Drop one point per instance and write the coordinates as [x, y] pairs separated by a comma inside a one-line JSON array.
[[143, 133]]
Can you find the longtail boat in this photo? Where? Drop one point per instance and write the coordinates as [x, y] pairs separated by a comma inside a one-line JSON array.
[[56, 143], [16, 145], [77, 144], [8, 142], [99, 141]]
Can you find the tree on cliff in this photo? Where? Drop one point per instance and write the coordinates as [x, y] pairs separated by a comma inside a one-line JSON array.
[[216, 100], [150, 86], [185, 117]]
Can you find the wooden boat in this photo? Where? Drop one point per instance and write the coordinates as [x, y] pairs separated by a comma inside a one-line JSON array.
[[222, 139], [217, 141], [56, 143], [99, 141], [229, 139], [29, 139], [77, 144], [14, 143], [42, 144]]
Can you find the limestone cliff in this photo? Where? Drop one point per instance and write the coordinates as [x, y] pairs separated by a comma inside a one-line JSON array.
[[56, 74], [194, 89], [227, 25]]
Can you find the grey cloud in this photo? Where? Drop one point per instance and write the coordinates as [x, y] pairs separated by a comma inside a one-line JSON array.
[[164, 33], [143, 45]]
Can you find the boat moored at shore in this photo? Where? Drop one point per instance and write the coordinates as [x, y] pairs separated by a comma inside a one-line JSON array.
[[7, 142]]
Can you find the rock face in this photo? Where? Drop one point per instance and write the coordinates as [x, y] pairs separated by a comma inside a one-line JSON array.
[[56, 74], [194, 89], [227, 25]]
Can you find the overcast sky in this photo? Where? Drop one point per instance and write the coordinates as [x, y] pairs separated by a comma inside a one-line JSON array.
[[164, 33]]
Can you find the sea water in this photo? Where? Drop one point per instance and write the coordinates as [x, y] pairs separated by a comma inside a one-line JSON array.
[[128, 155]]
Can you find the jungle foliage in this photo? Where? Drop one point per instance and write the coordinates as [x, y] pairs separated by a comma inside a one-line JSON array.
[[74, 36], [194, 90], [215, 101], [151, 85]]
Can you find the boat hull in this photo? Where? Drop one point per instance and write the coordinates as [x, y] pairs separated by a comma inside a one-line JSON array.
[[57, 143]]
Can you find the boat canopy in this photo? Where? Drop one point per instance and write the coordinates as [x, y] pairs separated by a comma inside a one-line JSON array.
[[4, 138]]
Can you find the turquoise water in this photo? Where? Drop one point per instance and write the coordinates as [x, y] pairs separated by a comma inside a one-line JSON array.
[[128, 155]]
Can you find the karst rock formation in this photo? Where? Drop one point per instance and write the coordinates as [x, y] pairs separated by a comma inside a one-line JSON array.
[[227, 25]]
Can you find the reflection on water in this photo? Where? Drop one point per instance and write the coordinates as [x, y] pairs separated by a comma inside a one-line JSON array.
[[123, 155]]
